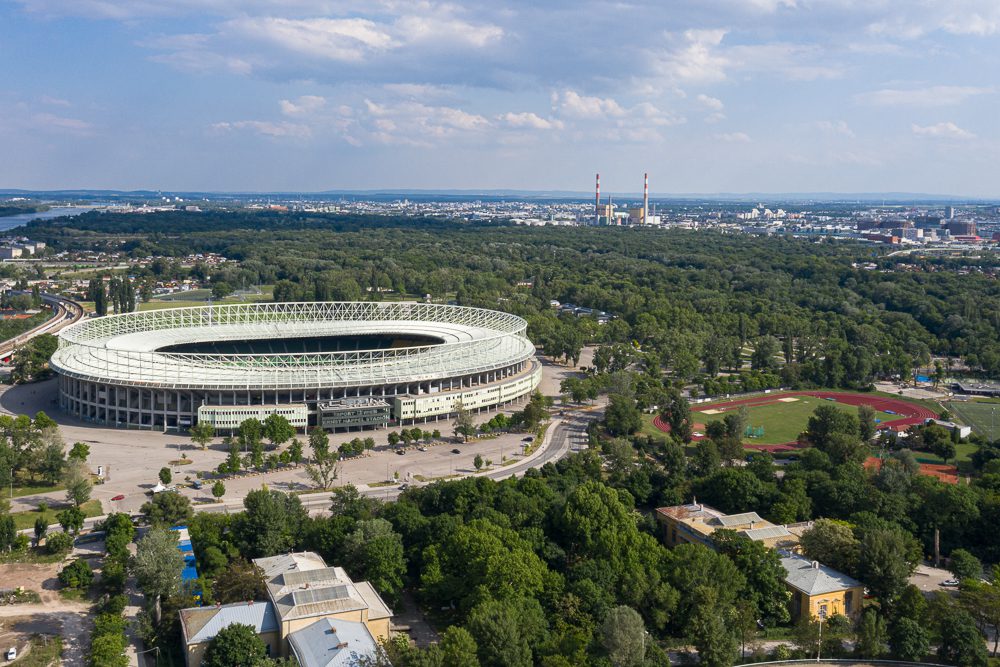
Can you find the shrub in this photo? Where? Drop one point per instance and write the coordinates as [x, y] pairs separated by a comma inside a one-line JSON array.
[[77, 574], [58, 543]]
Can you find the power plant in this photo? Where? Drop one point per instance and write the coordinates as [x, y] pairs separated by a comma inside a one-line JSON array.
[[606, 213]]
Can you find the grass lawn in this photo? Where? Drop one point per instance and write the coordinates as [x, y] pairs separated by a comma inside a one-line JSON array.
[[32, 489], [46, 650], [782, 422], [978, 415], [24, 520]]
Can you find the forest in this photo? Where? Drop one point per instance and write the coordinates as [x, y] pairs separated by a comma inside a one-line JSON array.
[[816, 313]]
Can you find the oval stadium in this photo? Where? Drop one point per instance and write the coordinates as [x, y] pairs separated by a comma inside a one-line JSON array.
[[341, 366]]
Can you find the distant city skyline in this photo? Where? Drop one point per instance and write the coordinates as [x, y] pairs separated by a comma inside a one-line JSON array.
[[708, 96]]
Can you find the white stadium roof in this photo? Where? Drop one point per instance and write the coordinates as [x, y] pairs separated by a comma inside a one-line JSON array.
[[126, 349]]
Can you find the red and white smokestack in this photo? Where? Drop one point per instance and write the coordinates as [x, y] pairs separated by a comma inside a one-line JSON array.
[[597, 201], [645, 197]]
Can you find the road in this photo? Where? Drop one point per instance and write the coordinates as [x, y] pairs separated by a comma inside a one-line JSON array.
[[566, 434], [65, 312]]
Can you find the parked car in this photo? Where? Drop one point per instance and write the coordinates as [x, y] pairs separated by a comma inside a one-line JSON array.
[[422, 449], [950, 583], [120, 496], [456, 451], [400, 451], [530, 438], [11, 653], [404, 486]]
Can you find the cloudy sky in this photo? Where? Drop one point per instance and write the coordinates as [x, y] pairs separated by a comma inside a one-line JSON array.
[[306, 95]]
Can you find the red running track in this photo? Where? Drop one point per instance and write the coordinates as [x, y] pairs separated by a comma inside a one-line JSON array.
[[910, 414]]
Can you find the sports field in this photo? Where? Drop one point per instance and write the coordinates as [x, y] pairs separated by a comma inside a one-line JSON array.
[[979, 415], [783, 416], [782, 421]]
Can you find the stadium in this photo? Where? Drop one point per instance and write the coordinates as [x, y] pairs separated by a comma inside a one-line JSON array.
[[341, 366]]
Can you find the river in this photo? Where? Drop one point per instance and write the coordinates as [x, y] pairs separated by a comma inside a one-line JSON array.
[[12, 221]]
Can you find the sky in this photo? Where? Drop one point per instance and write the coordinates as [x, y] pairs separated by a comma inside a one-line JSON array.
[[309, 95]]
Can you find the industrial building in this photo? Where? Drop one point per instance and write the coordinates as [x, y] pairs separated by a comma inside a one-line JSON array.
[[342, 366]]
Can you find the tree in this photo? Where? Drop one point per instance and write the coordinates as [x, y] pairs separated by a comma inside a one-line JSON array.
[[295, 451], [464, 424], [964, 565], [961, 644], [623, 635], [458, 648], [278, 430], [477, 462], [165, 476], [324, 469], [764, 574], [78, 484], [71, 519], [218, 489], [887, 558], [236, 644], [241, 581], [167, 508], [866, 422], [622, 417], [709, 629], [271, 523], [871, 634], [157, 565], [41, 527], [377, 551], [202, 434], [80, 451], [908, 640], [832, 543], [77, 574], [319, 441], [497, 629]]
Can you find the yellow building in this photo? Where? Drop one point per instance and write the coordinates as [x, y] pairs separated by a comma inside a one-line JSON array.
[[695, 523], [315, 612], [820, 590]]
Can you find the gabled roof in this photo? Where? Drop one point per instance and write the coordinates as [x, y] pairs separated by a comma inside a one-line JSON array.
[[332, 643], [812, 577], [199, 625]]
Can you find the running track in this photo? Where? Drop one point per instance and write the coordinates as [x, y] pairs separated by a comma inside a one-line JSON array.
[[910, 414]]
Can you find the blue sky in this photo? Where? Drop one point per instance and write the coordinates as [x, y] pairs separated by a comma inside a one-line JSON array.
[[706, 95]]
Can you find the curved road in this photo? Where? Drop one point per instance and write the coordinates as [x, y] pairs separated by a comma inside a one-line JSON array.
[[64, 313]]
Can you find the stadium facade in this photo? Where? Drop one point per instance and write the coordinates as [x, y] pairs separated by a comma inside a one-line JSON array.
[[342, 366]]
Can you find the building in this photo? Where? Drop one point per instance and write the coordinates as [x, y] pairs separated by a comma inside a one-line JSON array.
[[695, 523], [962, 430], [9, 252], [199, 625], [339, 365], [637, 216], [314, 612], [961, 228], [819, 590], [978, 388]]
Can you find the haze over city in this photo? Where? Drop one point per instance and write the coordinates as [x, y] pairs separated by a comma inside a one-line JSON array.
[[719, 96]]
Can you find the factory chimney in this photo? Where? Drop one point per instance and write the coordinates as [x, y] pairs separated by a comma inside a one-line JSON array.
[[597, 202], [645, 198]]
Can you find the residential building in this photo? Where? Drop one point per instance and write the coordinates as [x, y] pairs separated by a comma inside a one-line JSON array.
[[695, 523], [314, 612], [820, 590]]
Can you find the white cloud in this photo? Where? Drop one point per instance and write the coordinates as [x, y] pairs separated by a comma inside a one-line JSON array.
[[303, 106], [696, 59], [916, 18], [49, 121], [282, 129], [416, 29], [348, 40], [529, 120], [55, 101], [712, 103], [570, 103], [932, 96], [834, 127], [945, 130], [734, 137]]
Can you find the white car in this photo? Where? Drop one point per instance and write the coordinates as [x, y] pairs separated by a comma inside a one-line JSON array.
[[11, 653]]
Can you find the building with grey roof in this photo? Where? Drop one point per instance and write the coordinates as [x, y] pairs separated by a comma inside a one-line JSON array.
[[332, 643], [820, 589], [200, 625]]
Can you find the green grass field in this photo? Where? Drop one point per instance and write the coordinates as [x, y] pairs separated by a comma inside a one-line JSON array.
[[782, 422], [26, 519], [200, 298], [979, 415]]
